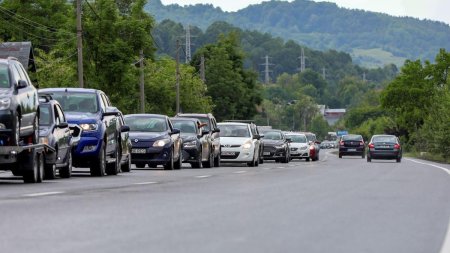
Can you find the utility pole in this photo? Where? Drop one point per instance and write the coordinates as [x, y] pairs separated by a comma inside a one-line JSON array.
[[188, 43], [141, 79], [80, 45], [267, 70], [324, 76], [302, 61], [202, 69], [178, 78], [364, 77]]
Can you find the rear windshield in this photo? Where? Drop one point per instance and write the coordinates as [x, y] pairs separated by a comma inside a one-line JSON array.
[[4, 76], [352, 138], [275, 135], [233, 131], [389, 139], [297, 138], [146, 124], [77, 101]]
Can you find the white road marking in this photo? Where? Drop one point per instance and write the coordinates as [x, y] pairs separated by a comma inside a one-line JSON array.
[[203, 176], [280, 167], [40, 194], [240, 172], [429, 164], [446, 245], [145, 183]]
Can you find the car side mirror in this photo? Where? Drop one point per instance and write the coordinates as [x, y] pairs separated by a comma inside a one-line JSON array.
[[217, 130], [63, 125], [22, 84], [175, 131], [111, 111], [261, 136], [204, 132], [289, 140], [256, 137], [124, 129]]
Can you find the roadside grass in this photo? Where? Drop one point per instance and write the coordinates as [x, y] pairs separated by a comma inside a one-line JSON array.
[[428, 156]]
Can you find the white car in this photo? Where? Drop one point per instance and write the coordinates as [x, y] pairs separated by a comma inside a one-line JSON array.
[[299, 146], [238, 143]]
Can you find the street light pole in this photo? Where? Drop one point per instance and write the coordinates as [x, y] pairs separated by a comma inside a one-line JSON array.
[[178, 78]]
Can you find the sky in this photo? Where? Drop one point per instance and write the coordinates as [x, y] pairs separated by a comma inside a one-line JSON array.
[[437, 10]]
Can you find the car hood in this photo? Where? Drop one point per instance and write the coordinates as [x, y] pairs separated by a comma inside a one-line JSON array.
[[233, 140], [273, 142], [188, 137], [82, 117], [146, 136]]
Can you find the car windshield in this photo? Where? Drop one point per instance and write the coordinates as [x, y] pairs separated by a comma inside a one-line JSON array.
[[185, 126], [234, 131], [4, 76], [206, 121], [145, 124], [389, 139], [77, 101], [298, 138], [352, 138], [45, 115], [311, 137], [272, 135]]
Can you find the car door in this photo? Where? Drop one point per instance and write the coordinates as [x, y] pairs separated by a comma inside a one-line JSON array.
[[215, 136], [30, 100], [175, 139], [61, 134], [111, 125]]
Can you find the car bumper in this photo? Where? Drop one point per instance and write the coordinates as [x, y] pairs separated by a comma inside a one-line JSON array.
[[152, 155], [351, 151], [190, 154], [230, 155], [383, 154]]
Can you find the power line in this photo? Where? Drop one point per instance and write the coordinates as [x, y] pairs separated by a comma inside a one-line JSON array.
[[28, 33]]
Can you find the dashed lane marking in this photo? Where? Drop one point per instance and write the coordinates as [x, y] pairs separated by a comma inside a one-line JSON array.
[[240, 172], [203, 176], [40, 194], [145, 183]]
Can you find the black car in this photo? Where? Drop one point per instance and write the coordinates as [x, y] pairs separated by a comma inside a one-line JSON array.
[[56, 133], [191, 134], [384, 147], [211, 141], [154, 141], [19, 105], [276, 146], [352, 145]]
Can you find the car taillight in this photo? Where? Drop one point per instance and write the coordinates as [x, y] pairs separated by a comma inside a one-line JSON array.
[[371, 145], [361, 143], [311, 147], [397, 146], [341, 143]]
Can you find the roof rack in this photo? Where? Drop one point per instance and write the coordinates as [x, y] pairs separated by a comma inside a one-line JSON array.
[[46, 97], [241, 121]]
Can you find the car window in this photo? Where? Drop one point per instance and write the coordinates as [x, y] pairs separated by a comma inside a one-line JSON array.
[[273, 135], [15, 73], [185, 126], [45, 115], [208, 125], [60, 114], [389, 139], [352, 138], [22, 75], [146, 124], [234, 131], [4, 76], [77, 101], [297, 138]]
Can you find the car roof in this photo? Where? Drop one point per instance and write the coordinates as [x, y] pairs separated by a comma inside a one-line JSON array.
[[233, 123], [147, 115], [184, 119], [295, 134], [195, 114], [81, 90]]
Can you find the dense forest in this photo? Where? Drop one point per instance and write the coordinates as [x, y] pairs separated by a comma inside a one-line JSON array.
[[373, 39]]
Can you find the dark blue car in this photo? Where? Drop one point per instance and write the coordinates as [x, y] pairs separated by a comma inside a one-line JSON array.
[[99, 146], [154, 141]]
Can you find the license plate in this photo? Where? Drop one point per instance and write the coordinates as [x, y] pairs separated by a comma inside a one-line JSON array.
[[228, 153], [266, 153], [351, 149], [138, 151]]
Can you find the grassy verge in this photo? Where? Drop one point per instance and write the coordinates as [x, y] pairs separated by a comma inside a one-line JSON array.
[[427, 156]]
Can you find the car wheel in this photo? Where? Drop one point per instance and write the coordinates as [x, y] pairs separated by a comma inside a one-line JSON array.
[[210, 162], [15, 137], [35, 134], [114, 167], [140, 165], [179, 162], [126, 167], [307, 159], [32, 165], [399, 159], [217, 160], [66, 171], [363, 156], [198, 162], [50, 171], [369, 159], [152, 165], [340, 155], [98, 167], [170, 164]]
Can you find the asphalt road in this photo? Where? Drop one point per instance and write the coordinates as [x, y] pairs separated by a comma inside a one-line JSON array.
[[333, 205]]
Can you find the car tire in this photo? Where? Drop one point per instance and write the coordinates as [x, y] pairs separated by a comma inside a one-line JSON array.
[[15, 135], [126, 167], [114, 167], [170, 164], [399, 159], [178, 163], [198, 162], [363, 156], [66, 171], [307, 159], [98, 166], [32, 165], [50, 171], [217, 160], [369, 159], [35, 134], [210, 162], [340, 155]]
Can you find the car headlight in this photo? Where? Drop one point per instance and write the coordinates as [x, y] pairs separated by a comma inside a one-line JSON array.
[[161, 143], [190, 144], [5, 103], [303, 148], [247, 144], [43, 140], [89, 127]]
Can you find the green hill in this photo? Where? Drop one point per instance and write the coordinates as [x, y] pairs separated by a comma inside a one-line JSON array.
[[373, 39]]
